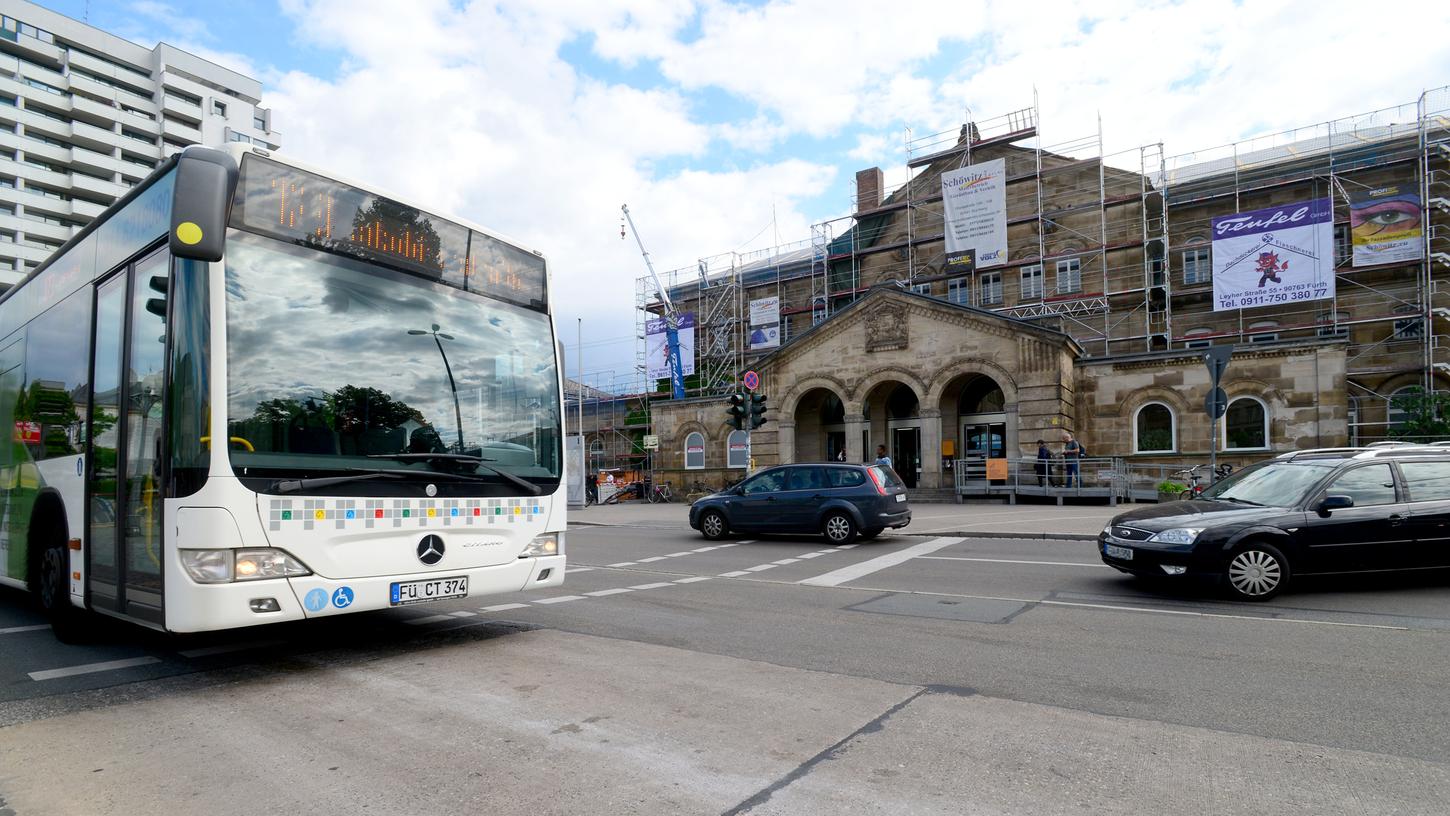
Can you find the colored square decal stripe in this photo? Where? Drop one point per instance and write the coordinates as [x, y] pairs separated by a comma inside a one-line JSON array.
[[319, 514], [286, 515], [477, 510], [406, 512], [351, 514], [377, 514], [453, 512]]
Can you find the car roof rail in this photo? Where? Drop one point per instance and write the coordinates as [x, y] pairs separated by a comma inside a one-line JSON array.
[[1318, 452], [1403, 450]]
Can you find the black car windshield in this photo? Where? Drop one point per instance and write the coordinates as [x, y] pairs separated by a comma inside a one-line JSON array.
[[334, 364], [1275, 484]]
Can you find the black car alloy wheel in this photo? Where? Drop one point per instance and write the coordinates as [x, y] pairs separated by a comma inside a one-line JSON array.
[[1256, 572]]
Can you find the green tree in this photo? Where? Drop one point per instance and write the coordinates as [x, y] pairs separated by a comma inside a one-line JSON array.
[[1426, 416]]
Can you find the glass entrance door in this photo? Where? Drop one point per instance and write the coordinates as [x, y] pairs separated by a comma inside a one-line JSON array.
[[127, 452], [906, 453]]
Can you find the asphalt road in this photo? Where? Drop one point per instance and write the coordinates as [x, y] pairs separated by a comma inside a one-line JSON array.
[[912, 674]]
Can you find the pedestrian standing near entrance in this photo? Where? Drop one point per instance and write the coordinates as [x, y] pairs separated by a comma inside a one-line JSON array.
[[1071, 453], [881, 457], [1043, 457]]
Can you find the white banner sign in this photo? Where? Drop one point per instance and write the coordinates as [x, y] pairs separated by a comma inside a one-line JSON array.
[[764, 323], [655, 347], [975, 202], [1273, 256]]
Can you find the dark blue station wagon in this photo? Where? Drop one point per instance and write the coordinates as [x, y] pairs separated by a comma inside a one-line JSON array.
[[838, 501]]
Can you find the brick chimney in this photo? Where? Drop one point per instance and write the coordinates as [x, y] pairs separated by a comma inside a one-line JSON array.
[[868, 189], [969, 134]]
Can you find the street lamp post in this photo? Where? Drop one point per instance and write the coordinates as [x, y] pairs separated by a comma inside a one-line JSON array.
[[439, 337]]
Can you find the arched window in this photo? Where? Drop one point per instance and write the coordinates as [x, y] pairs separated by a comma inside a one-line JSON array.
[[1246, 425], [694, 451], [1396, 413], [737, 454], [1155, 429]]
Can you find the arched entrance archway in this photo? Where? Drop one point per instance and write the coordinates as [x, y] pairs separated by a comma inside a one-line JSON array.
[[975, 414], [893, 419], [820, 426]]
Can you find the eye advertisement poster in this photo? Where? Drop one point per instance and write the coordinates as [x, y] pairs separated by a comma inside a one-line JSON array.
[[1384, 224]]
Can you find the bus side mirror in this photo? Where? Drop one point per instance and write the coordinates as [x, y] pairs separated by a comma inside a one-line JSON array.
[[201, 202]]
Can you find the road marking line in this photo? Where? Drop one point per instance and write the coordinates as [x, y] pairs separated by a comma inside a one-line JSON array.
[[1012, 561], [572, 570], [652, 560], [208, 651], [603, 592], [427, 620], [695, 580], [92, 668], [463, 613], [848, 546], [735, 574], [704, 549], [652, 586], [761, 568], [559, 599], [782, 562], [810, 555], [13, 630], [736, 543], [624, 564], [879, 563], [678, 554], [503, 607]]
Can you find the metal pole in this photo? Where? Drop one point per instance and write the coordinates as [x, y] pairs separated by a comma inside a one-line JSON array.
[[457, 412], [1212, 450]]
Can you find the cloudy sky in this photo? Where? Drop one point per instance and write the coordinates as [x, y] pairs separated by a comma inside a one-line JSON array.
[[728, 125]]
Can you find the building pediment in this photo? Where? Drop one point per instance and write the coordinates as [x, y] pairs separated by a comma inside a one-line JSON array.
[[889, 320]]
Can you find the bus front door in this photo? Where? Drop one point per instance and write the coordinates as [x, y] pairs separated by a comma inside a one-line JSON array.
[[125, 443]]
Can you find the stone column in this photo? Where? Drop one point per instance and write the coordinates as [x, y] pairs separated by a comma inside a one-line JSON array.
[[855, 424], [785, 442], [931, 475]]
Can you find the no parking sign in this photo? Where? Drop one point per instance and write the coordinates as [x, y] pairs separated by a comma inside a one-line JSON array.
[[751, 380]]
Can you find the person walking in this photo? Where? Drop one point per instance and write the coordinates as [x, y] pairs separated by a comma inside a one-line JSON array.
[[1043, 457], [881, 457], [1071, 454]]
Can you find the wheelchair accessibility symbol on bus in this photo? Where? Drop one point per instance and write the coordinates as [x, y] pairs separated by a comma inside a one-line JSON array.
[[342, 598]]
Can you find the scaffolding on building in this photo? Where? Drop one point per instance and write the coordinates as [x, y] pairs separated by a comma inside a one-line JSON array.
[[1113, 248]]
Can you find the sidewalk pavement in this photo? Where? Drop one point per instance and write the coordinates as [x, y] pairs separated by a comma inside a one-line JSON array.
[[975, 519]]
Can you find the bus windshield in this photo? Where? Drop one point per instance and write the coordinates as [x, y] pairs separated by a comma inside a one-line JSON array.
[[335, 364]]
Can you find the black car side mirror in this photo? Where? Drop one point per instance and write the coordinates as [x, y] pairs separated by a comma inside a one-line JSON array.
[[1335, 503], [739, 491]]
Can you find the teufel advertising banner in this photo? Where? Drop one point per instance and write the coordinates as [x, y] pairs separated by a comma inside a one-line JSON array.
[[655, 347], [1385, 226], [1273, 256], [764, 323], [975, 201]]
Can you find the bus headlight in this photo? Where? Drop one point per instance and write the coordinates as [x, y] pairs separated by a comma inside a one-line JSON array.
[[269, 563], [546, 544], [225, 566]]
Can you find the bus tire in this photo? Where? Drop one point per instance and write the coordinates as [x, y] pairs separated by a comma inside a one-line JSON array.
[[51, 578]]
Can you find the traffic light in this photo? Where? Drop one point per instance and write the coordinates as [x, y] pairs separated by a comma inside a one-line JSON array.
[[738, 411], [757, 411]]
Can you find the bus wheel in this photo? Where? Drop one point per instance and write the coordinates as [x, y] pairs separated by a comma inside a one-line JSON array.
[[53, 589]]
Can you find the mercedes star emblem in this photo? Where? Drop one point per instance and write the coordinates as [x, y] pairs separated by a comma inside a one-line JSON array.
[[430, 550]]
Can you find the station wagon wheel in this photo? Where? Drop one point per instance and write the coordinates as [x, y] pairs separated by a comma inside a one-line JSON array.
[[839, 528], [1257, 572], [713, 526]]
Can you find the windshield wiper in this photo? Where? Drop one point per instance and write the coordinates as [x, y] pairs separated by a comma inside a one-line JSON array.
[[522, 484], [294, 485], [1238, 500]]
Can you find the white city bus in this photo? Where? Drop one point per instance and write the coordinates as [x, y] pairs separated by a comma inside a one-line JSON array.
[[386, 382]]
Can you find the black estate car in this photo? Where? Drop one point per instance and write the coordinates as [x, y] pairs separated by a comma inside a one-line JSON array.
[[839, 501], [1316, 511]]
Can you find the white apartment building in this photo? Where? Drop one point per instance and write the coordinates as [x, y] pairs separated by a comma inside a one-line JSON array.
[[85, 115]]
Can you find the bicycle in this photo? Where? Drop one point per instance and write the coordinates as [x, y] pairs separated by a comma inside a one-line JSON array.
[[1195, 488], [661, 494]]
